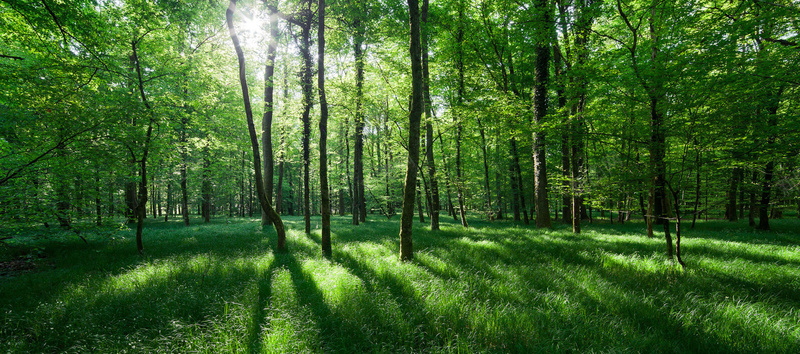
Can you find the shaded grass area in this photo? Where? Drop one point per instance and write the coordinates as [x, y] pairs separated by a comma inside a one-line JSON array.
[[496, 287]]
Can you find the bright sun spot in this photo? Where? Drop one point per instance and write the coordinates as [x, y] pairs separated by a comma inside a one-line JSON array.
[[251, 31]]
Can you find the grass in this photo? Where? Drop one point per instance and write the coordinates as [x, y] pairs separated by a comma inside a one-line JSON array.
[[496, 287]]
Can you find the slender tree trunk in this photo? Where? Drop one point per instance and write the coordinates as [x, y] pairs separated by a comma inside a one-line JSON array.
[[542, 75], [169, 202], [733, 192], [753, 209], [153, 199], [697, 188], [184, 189], [769, 169], [97, 204], [206, 186], [262, 194], [451, 209], [515, 193], [520, 184], [419, 201], [460, 103], [485, 171], [323, 136], [429, 141], [306, 87], [269, 110], [359, 202], [414, 117], [141, 203]]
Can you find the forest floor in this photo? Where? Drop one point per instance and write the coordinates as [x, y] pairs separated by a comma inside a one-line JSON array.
[[495, 287]]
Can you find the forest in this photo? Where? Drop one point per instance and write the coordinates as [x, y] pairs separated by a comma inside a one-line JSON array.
[[434, 176]]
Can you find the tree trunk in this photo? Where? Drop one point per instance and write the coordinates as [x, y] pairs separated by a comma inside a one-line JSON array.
[[205, 189], [731, 209], [97, 204], [323, 137], [140, 204], [434, 185], [488, 190], [359, 201], [460, 103], [262, 195], [414, 117], [305, 22], [515, 193], [542, 75], [169, 202], [269, 109]]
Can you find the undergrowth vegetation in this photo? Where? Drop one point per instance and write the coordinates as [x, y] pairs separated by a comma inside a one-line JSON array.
[[495, 287]]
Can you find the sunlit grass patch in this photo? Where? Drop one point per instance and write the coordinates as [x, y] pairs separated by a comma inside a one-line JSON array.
[[492, 288]]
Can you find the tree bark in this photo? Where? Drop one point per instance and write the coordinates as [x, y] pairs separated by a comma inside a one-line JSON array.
[[414, 117]]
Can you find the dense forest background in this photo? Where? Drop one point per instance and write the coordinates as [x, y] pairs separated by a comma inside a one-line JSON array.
[[532, 111]]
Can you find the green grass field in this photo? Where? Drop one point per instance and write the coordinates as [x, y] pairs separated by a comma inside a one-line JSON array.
[[496, 287]]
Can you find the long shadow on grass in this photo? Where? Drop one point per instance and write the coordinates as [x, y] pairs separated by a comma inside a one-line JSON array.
[[333, 328], [254, 342]]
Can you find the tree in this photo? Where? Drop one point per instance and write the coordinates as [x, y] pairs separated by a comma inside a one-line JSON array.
[[542, 76], [266, 206], [414, 117], [323, 135]]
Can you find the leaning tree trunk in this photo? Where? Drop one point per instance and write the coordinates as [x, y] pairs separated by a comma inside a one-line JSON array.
[[414, 117], [141, 203], [262, 195]]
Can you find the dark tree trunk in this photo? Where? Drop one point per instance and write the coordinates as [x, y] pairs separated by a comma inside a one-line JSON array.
[[419, 201], [414, 117], [460, 103], [488, 190], [140, 204], [323, 137], [304, 20], [359, 200], [753, 209], [97, 204], [520, 183], [183, 139], [515, 193], [542, 76], [269, 110], [731, 210], [262, 194], [697, 187], [169, 202], [434, 185], [450, 207], [205, 189]]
